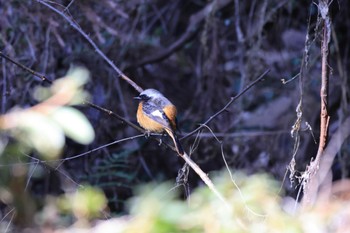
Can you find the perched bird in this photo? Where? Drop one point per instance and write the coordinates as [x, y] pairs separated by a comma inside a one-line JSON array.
[[157, 114]]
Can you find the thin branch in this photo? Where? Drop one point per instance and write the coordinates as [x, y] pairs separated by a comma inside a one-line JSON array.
[[323, 5], [239, 32], [42, 77], [233, 99], [334, 145], [204, 177], [123, 120], [296, 127], [95, 149], [194, 166], [93, 44], [109, 112], [311, 183], [192, 29], [187, 159], [4, 87], [194, 23], [69, 5]]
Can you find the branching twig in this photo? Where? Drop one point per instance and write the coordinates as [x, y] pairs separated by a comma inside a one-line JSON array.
[[311, 184], [227, 105], [191, 31], [192, 164], [332, 148], [204, 177], [323, 6], [187, 159], [296, 127], [194, 22], [109, 112], [93, 44], [42, 77], [123, 120], [4, 88]]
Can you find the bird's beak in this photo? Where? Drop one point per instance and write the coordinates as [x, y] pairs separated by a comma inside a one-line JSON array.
[[137, 98]]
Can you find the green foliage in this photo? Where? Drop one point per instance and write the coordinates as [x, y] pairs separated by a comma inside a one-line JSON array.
[[255, 207], [44, 126], [74, 124], [85, 203], [38, 131], [158, 210]]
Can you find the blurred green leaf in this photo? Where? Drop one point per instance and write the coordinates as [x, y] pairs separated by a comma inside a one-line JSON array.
[[41, 133], [74, 124], [42, 93], [255, 207], [79, 74], [72, 85], [85, 203], [43, 127]]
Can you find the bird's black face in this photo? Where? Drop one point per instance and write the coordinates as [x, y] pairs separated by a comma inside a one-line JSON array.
[[142, 97]]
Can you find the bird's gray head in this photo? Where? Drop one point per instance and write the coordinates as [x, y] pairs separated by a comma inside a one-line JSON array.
[[149, 94], [152, 94]]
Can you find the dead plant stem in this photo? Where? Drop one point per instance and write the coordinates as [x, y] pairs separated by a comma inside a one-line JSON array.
[[311, 183]]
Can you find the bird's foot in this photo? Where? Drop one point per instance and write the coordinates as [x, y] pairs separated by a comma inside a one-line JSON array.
[[147, 134]]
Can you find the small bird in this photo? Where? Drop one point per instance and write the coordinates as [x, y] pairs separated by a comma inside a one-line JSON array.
[[157, 114]]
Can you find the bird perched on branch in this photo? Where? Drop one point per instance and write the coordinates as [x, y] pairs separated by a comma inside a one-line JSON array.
[[157, 114]]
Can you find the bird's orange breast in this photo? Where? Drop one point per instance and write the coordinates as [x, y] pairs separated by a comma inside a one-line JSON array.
[[146, 122]]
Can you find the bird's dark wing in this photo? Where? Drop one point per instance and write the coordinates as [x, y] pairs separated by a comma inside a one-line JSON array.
[[157, 114]]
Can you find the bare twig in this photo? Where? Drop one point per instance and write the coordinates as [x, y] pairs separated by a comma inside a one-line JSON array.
[[94, 150], [191, 31], [204, 177], [195, 20], [296, 127], [42, 77], [123, 120], [233, 99], [323, 5], [109, 112], [187, 159], [239, 32], [4, 87], [332, 149], [311, 184], [93, 44], [69, 5]]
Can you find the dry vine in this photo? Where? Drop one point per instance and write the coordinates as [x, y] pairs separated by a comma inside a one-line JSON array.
[[310, 176]]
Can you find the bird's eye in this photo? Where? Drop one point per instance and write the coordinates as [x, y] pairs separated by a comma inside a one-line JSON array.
[[144, 97]]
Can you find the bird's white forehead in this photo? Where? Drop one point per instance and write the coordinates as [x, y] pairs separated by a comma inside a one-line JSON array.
[[151, 93]]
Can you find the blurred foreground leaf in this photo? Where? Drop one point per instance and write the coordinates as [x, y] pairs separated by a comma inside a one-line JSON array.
[[44, 126], [74, 124], [255, 207], [86, 203], [158, 209], [38, 131]]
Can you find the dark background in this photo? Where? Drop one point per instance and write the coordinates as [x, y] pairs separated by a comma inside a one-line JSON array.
[[227, 49]]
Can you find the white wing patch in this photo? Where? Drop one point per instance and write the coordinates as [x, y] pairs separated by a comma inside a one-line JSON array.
[[157, 113]]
